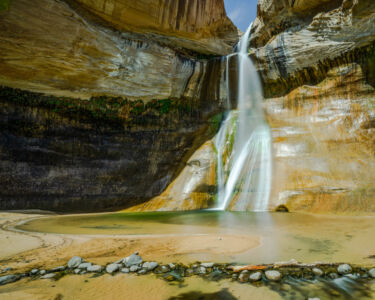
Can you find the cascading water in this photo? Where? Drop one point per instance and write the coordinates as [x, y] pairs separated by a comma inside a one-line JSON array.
[[244, 163]]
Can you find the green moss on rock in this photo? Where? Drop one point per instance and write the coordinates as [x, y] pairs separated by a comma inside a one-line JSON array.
[[4, 4]]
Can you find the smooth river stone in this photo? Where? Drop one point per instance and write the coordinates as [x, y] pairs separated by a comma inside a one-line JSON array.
[[112, 268], [74, 262], [132, 260], [273, 275], [95, 268], [8, 279], [344, 269], [256, 276]]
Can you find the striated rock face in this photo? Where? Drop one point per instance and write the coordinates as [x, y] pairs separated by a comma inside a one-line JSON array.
[[194, 188], [121, 111], [316, 59], [298, 44], [48, 47], [202, 26]]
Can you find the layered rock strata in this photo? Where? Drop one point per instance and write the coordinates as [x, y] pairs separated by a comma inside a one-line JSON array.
[[95, 118], [316, 59], [202, 26]]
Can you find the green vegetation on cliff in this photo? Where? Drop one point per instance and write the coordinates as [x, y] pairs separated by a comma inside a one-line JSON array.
[[105, 110], [4, 4]]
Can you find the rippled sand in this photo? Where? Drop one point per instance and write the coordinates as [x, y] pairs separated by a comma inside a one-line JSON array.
[[50, 241]]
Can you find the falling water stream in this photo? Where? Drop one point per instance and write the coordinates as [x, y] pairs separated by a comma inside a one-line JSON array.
[[243, 144]]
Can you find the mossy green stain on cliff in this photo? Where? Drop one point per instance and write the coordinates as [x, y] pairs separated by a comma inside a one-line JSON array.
[[109, 111], [4, 4]]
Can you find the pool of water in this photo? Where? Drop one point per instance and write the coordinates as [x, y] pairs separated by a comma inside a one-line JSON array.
[[283, 236]]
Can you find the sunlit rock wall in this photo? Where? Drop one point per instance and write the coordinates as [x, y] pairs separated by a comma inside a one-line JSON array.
[[48, 47], [121, 113], [202, 26], [317, 59]]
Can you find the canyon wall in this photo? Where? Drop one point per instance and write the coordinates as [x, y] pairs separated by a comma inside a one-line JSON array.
[[101, 113], [200, 25], [317, 62]]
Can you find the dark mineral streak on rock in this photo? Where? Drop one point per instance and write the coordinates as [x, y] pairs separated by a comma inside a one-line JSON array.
[[64, 161]]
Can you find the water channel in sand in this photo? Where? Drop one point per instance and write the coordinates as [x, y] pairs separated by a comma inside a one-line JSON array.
[[254, 237]]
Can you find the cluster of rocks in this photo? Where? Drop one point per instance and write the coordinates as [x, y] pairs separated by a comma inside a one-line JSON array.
[[306, 272], [176, 272]]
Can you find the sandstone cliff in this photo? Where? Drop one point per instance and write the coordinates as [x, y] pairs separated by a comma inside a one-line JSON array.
[[317, 63], [316, 59], [201, 25], [93, 117]]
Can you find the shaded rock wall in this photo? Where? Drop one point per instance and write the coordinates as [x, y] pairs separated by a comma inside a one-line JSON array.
[[66, 155], [316, 59], [120, 114]]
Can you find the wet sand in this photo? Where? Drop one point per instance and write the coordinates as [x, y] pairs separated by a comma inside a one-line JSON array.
[[167, 238], [225, 236], [131, 287]]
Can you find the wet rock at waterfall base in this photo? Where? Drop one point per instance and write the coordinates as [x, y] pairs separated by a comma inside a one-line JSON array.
[[282, 208]]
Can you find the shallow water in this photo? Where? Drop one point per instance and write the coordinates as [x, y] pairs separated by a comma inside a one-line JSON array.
[[283, 236]]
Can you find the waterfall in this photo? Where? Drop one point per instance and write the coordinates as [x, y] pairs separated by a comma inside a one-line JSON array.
[[243, 144]]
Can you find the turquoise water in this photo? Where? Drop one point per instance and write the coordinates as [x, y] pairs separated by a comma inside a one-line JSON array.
[[282, 236]]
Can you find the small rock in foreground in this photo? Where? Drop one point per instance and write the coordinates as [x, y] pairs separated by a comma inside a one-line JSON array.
[[49, 276], [74, 262], [58, 269], [207, 265], [317, 272], [344, 269], [125, 270], [112, 268], [149, 266], [84, 265], [372, 273], [8, 279], [273, 275], [134, 268], [244, 276], [34, 271], [95, 268], [132, 260], [333, 275], [256, 276]]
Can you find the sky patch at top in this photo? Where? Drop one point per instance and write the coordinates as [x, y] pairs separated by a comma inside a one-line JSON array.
[[241, 12]]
